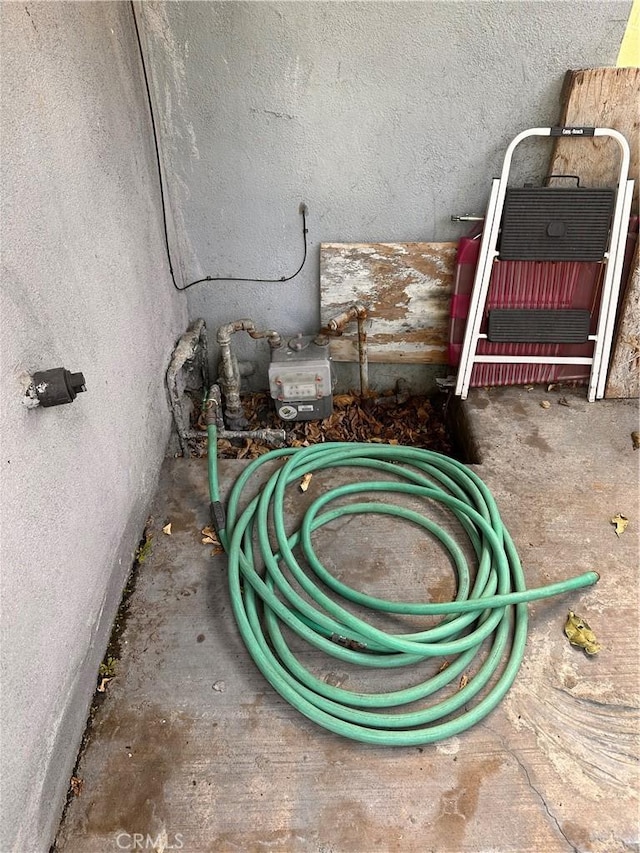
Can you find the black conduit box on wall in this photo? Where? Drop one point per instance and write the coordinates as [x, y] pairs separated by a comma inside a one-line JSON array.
[[57, 386], [556, 223]]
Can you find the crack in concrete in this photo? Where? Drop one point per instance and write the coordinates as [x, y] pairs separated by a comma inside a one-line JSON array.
[[613, 707], [543, 801], [275, 113], [535, 790]]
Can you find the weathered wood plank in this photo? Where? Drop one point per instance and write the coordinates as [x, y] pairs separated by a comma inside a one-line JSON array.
[[407, 288], [624, 371], [600, 97], [606, 97]]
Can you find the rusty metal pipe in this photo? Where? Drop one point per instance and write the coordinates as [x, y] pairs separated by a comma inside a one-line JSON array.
[[276, 437], [272, 337], [213, 415], [231, 373], [186, 349], [230, 379], [335, 327], [363, 355]]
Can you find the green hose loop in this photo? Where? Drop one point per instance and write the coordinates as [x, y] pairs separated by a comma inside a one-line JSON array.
[[271, 586]]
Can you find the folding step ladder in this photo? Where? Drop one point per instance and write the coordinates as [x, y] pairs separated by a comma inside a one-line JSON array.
[[550, 224]]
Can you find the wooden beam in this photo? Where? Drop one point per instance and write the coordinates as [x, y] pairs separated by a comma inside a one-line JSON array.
[[607, 97], [599, 97], [624, 371], [407, 288]]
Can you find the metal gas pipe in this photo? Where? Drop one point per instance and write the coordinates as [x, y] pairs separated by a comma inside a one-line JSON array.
[[336, 326]]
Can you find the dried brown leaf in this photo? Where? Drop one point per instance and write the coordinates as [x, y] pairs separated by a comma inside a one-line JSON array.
[[620, 522], [413, 421], [210, 537], [580, 634], [342, 400]]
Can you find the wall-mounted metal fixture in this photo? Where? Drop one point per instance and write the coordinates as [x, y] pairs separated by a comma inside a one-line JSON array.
[[54, 387], [335, 326], [300, 380], [231, 371], [187, 375]]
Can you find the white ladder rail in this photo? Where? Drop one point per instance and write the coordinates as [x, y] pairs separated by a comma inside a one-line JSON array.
[[616, 278], [610, 287]]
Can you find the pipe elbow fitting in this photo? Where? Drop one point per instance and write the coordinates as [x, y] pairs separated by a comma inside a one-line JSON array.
[[273, 339], [361, 310], [335, 326], [223, 336]]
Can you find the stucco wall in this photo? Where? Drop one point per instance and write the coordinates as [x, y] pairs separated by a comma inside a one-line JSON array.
[[84, 285], [386, 118]]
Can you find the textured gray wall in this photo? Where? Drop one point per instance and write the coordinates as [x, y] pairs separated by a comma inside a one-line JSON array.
[[385, 118], [84, 285]]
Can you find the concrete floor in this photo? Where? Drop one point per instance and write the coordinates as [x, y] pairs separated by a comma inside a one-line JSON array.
[[193, 750]]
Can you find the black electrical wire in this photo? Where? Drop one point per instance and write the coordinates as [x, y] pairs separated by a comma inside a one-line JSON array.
[[303, 212], [303, 207]]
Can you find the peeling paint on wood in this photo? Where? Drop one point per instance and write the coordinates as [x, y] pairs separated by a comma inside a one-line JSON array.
[[407, 289]]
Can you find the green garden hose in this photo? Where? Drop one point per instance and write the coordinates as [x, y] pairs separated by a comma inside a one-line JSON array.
[[264, 586]]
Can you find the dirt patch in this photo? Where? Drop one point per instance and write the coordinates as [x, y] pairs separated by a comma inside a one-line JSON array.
[[109, 666], [459, 803], [146, 745]]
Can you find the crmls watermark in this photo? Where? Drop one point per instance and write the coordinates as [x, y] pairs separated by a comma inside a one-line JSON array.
[[140, 841]]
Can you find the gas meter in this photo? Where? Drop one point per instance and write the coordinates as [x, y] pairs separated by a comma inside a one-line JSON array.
[[300, 379]]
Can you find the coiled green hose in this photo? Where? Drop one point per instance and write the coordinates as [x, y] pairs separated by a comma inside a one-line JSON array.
[[263, 598]]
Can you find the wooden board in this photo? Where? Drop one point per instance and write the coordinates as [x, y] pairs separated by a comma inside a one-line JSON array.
[[599, 97], [407, 288], [624, 371], [606, 97]]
